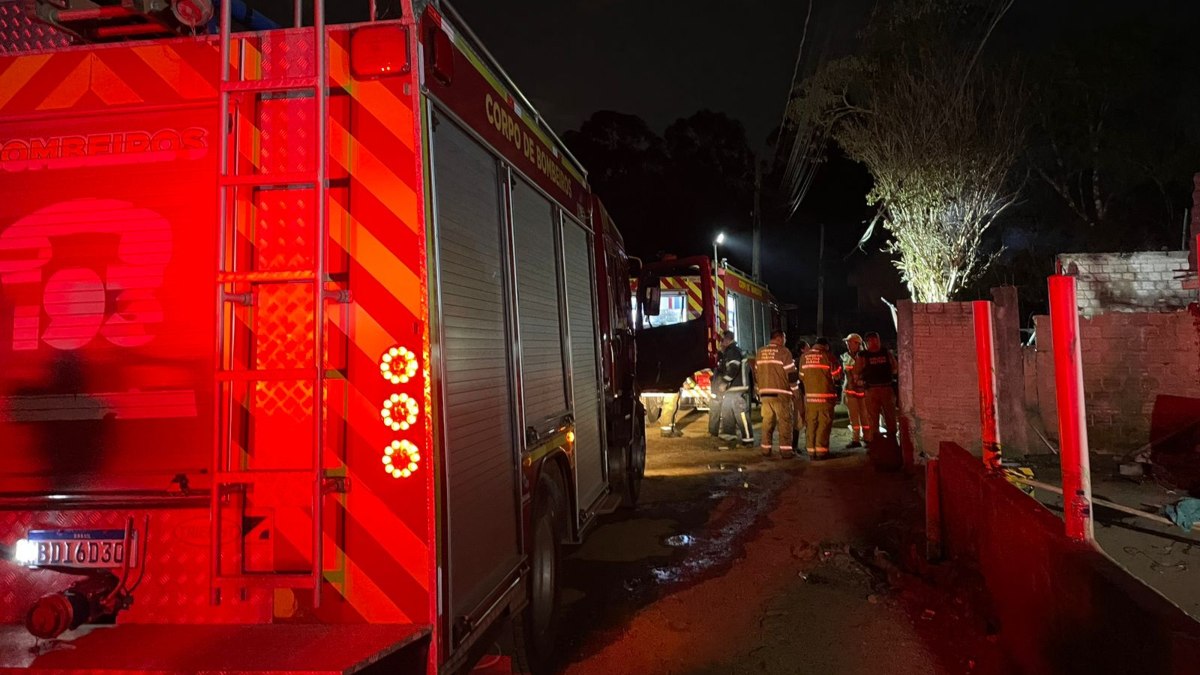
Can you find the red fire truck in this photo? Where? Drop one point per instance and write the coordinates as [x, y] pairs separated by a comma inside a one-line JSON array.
[[314, 344], [679, 336]]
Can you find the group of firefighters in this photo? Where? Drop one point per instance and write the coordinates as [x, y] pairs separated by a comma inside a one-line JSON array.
[[800, 390]]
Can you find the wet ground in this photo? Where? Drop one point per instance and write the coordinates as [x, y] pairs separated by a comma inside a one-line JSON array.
[[736, 564]]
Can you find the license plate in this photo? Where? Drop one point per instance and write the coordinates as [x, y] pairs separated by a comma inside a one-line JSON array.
[[80, 548]]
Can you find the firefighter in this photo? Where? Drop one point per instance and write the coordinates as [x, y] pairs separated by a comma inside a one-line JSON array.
[[670, 411], [854, 394], [818, 372], [798, 394], [735, 405], [716, 386], [671, 404], [876, 368], [774, 374]]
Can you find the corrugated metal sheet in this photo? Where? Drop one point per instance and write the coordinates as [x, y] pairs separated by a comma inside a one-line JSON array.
[[481, 464], [537, 304], [585, 381]]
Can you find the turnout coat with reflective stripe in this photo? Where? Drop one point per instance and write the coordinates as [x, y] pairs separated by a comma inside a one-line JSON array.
[[817, 371], [774, 370]]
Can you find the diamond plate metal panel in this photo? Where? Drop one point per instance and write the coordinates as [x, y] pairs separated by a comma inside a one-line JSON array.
[[287, 54], [19, 33], [282, 409], [286, 134], [176, 558], [283, 326], [283, 230]]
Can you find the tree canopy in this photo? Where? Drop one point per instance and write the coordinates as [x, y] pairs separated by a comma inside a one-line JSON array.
[[939, 133]]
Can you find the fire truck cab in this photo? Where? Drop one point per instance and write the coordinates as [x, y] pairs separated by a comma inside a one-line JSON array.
[[682, 309], [315, 346]]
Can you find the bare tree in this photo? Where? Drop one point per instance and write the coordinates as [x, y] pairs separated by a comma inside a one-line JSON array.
[[941, 146], [939, 136]]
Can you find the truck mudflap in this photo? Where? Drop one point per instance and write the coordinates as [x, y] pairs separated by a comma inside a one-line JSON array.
[[263, 648]]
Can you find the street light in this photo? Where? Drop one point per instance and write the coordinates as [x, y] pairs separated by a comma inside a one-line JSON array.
[[717, 277]]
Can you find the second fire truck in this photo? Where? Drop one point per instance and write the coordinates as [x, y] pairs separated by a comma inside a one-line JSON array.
[[679, 343]]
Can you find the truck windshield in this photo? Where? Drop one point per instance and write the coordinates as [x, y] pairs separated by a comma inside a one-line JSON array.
[[672, 309]]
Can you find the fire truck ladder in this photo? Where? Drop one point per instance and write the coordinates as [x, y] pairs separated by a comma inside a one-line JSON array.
[[235, 270]]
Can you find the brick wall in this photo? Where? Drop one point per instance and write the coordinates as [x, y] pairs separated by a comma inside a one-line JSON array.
[[1129, 361], [940, 400], [1129, 282], [1058, 607]]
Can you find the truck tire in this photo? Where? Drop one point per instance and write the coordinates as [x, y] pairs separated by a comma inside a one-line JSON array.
[[635, 467], [653, 411], [534, 630]]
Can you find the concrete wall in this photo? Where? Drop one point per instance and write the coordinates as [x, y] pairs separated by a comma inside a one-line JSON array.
[[1010, 372], [1129, 282], [1059, 607], [1130, 360]]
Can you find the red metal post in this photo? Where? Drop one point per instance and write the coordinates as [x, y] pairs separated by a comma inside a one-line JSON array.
[[1072, 430], [985, 361]]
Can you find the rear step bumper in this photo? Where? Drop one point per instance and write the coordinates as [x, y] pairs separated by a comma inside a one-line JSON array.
[[175, 648]]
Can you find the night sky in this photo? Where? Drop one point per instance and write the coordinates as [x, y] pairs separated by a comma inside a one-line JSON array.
[[659, 60], [666, 59]]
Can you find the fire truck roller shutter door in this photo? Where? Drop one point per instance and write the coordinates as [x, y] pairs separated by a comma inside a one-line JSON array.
[[763, 338], [764, 312], [585, 380], [537, 305], [477, 413], [753, 318], [747, 338]]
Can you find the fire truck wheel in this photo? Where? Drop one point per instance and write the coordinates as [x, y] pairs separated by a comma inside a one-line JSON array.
[[635, 468], [534, 631], [653, 412]]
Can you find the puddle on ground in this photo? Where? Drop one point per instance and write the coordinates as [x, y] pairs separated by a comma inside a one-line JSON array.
[[628, 541], [711, 548], [665, 575]]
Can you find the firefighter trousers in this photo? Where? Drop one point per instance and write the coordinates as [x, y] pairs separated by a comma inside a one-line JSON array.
[[670, 411], [714, 413], [798, 415], [735, 417], [777, 414], [856, 404], [818, 423], [881, 402]]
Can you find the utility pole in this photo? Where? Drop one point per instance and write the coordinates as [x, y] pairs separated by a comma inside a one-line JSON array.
[[821, 284], [756, 255]]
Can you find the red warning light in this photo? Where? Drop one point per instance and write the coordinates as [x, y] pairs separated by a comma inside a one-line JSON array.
[[378, 51]]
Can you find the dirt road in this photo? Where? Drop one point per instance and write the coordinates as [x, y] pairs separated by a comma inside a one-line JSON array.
[[736, 564]]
